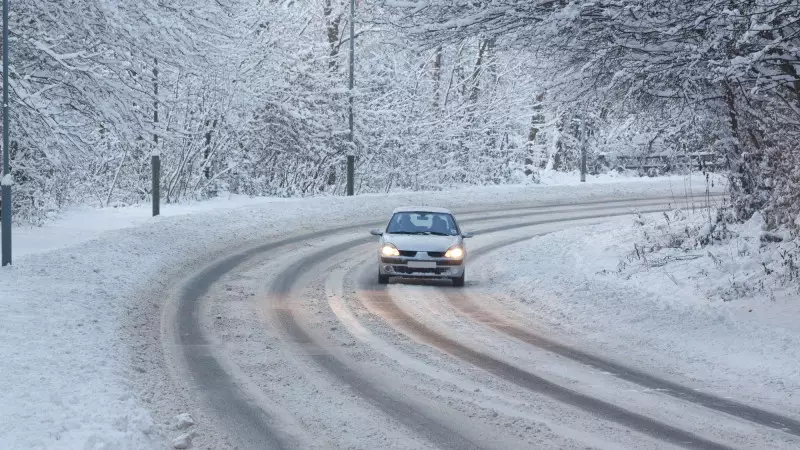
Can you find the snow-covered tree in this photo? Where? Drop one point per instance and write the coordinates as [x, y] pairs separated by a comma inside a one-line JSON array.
[[692, 75]]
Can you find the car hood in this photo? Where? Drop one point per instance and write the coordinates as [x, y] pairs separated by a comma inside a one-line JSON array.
[[421, 242]]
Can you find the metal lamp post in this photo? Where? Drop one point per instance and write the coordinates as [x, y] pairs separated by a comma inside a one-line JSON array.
[[7, 181], [350, 157]]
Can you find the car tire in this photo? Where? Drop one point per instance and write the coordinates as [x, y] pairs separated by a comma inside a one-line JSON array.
[[458, 281], [383, 279]]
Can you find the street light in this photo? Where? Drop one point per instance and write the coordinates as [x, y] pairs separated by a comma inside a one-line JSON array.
[[7, 180], [350, 157]]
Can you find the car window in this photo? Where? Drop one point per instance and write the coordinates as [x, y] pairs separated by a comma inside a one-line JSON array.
[[422, 223]]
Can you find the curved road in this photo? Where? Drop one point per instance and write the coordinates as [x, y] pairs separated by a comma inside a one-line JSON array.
[[293, 344]]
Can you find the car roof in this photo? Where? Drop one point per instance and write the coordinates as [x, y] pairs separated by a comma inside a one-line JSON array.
[[427, 209]]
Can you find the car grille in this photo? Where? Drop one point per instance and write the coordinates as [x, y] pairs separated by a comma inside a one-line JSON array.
[[449, 262], [409, 270], [411, 254], [388, 260]]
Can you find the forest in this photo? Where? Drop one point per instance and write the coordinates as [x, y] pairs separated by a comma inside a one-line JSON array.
[[251, 97]]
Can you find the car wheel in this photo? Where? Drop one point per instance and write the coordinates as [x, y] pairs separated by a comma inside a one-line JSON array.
[[383, 279], [458, 281]]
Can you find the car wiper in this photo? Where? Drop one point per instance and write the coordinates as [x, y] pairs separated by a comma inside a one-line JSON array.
[[437, 233]]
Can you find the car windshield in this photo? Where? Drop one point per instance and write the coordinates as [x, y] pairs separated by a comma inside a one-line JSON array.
[[440, 224]]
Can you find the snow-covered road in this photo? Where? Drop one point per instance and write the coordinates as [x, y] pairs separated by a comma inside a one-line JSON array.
[[293, 344], [261, 318]]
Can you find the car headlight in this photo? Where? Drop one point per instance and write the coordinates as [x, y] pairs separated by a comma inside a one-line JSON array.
[[389, 250], [455, 253]]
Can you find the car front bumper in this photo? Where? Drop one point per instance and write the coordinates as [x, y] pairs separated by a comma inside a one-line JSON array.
[[402, 267]]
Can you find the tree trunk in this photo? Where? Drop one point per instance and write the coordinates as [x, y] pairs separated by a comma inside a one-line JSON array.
[[437, 77], [743, 169], [333, 24], [207, 151], [490, 44], [476, 73]]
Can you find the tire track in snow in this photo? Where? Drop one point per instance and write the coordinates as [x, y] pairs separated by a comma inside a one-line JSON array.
[[419, 421], [382, 302], [462, 303], [248, 422], [423, 423], [221, 391]]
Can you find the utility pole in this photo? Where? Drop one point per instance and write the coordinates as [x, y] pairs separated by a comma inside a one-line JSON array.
[[7, 180], [350, 157], [583, 149]]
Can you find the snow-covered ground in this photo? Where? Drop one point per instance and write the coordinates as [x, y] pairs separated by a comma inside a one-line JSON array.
[[708, 317], [67, 366], [78, 225]]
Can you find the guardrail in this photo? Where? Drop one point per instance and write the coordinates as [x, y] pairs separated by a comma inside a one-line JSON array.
[[664, 163]]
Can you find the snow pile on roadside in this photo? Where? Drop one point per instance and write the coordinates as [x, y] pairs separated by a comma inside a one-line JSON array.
[[69, 345], [644, 292], [744, 263], [81, 224], [63, 381]]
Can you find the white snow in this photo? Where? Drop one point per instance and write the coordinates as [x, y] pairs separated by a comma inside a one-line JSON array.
[[707, 317], [8, 180], [67, 366], [183, 441], [82, 224], [183, 421]]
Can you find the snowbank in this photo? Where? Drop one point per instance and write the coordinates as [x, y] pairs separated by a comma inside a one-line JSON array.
[[81, 224], [68, 366], [722, 318]]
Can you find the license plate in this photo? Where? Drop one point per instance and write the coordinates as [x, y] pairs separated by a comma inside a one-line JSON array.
[[422, 264]]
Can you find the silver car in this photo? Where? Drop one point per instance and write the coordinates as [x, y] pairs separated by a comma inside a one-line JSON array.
[[422, 242]]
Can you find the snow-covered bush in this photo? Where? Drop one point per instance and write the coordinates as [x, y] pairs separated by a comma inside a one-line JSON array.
[[725, 260]]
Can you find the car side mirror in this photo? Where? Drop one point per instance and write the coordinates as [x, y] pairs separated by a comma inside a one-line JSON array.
[[376, 232], [467, 235]]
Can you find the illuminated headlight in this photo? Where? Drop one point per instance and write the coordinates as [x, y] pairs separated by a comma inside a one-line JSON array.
[[455, 253], [389, 250]]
